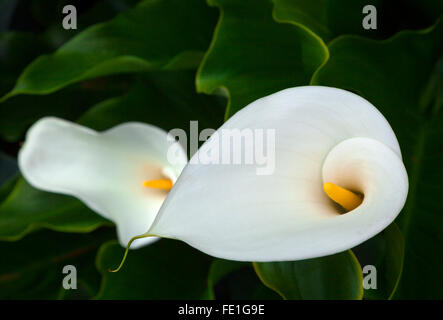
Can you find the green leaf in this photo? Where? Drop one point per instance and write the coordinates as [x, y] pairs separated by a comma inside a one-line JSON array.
[[17, 49], [19, 112], [385, 252], [327, 18], [88, 13], [221, 268], [337, 276], [233, 280], [165, 99], [49, 17], [252, 56], [331, 18], [166, 269], [156, 34], [32, 267], [402, 77], [26, 209]]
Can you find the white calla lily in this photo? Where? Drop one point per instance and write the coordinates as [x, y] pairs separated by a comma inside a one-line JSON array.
[[105, 170], [322, 135]]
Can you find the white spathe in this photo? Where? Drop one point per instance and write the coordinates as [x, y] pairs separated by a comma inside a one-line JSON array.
[[105, 170], [322, 135]]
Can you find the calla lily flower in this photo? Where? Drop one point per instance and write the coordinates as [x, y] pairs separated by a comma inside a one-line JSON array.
[[122, 174], [338, 180]]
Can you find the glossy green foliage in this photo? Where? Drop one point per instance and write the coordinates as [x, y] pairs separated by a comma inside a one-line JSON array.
[[137, 40], [26, 209], [332, 18], [385, 252], [33, 267], [333, 277], [164, 270], [252, 55]]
